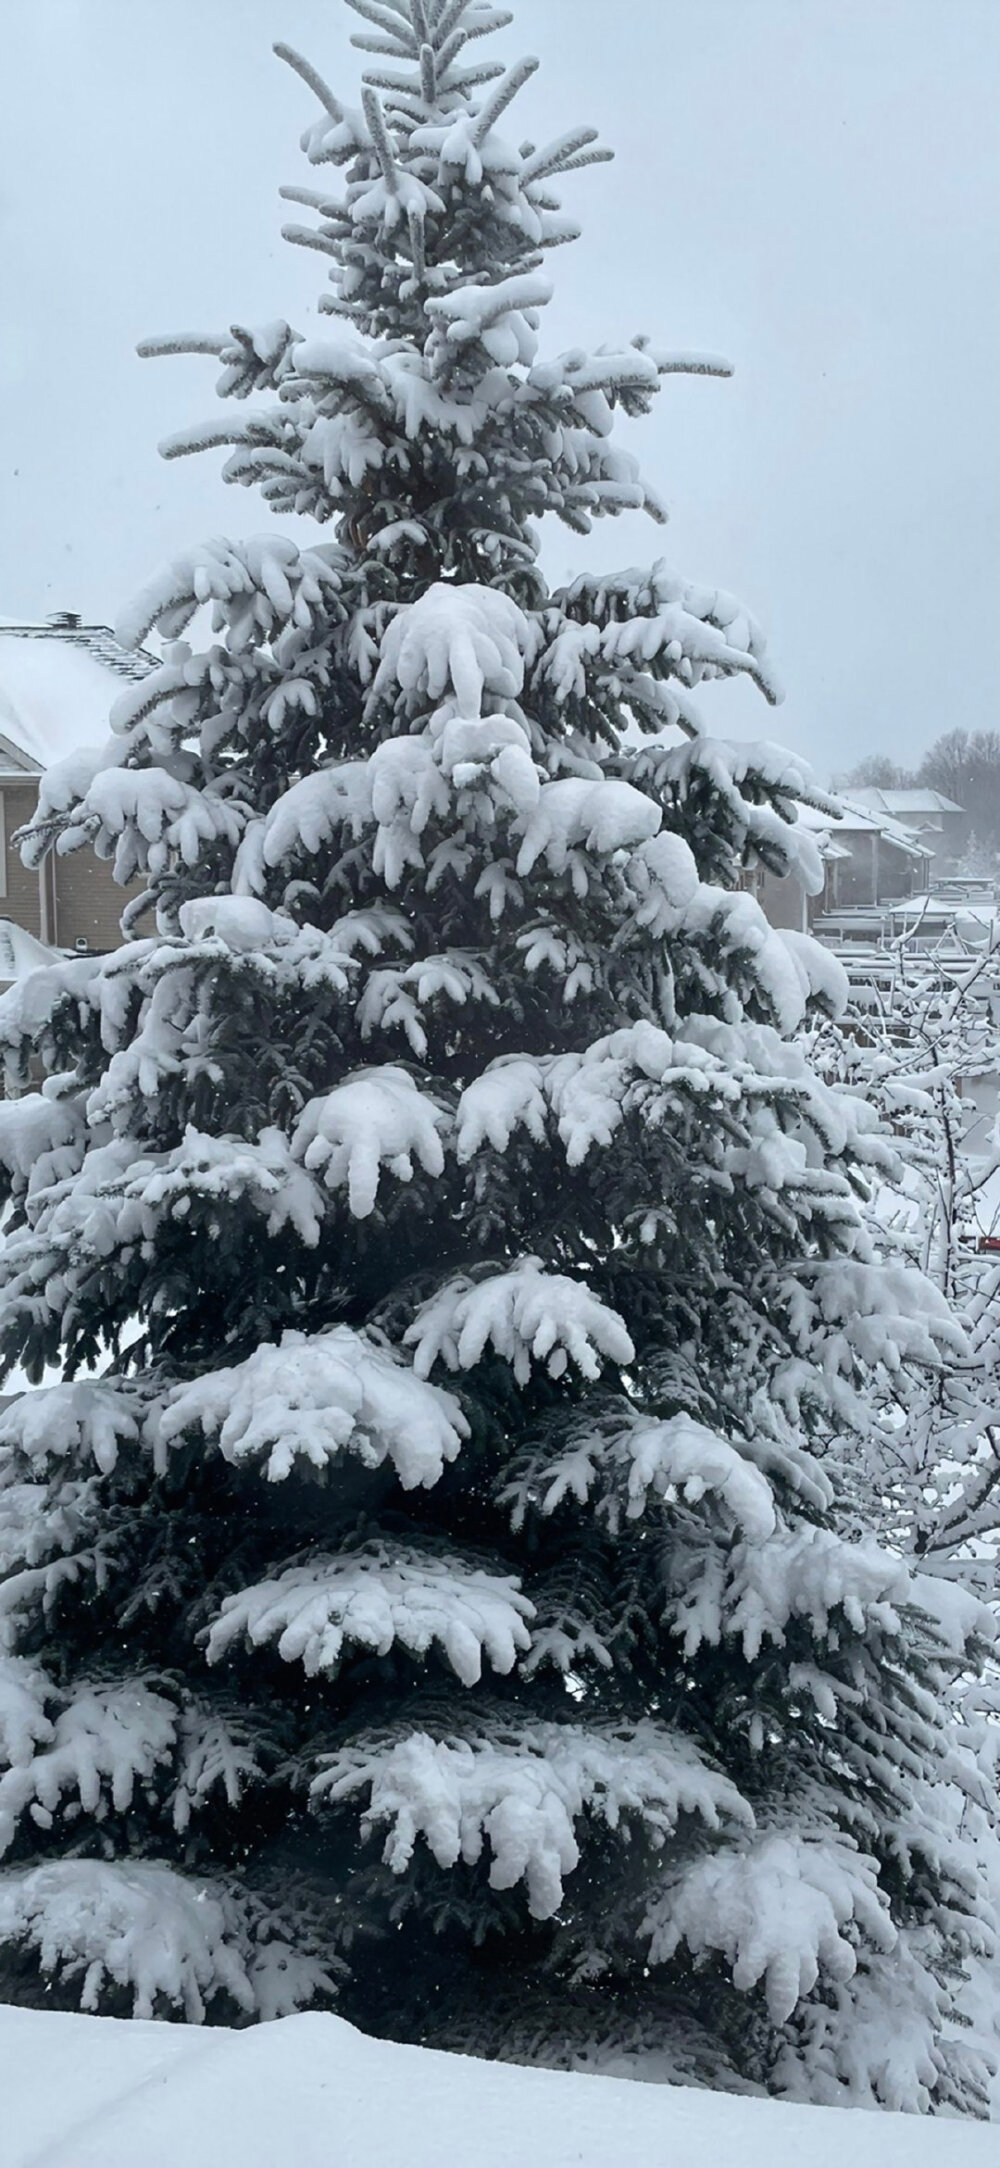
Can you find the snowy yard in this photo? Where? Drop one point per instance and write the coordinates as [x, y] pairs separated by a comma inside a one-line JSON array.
[[310, 2092]]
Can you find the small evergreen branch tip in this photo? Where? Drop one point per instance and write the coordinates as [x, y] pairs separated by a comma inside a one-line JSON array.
[[181, 342], [416, 226], [470, 78], [307, 237], [387, 48], [305, 69], [500, 98], [396, 23], [565, 153], [599, 157], [498, 19], [449, 51], [449, 19], [202, 438], [693, 364], [312, 201], [380, 137]]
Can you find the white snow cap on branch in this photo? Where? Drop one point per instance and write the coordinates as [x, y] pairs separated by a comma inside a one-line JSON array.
[[784, 1911], [169, 817], [823, 974], [40, 1138], [462, 640], [503, 317], [621, 1461], [375, 1598], [753, 1591], [378, 1118], [311, 1398], [526, 1315], [683, 1457], [105, 1742], [168, 1938], [603, 817], [90, 1419], [209, 1169], [522, 1795], [588, 1094], [242, 923], [25, 1692], [253, 586]]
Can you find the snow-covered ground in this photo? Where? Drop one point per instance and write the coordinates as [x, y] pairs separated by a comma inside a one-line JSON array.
[[310, 2092]]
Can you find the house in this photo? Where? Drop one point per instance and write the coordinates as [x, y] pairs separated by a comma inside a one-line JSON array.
[[868, 858], [941, 825], [58, 683], [886, 859]]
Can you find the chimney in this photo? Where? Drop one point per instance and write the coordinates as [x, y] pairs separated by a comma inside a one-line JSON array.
[[64, 620]]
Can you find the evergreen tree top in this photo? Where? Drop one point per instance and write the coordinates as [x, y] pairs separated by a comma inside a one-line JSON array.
[[436, 251]]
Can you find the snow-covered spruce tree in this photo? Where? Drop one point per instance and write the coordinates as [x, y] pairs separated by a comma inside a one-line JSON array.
[[421, 1591]]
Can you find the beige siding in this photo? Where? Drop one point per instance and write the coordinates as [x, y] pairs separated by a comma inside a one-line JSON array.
[[783, 901], [20, 902], [89, 902]]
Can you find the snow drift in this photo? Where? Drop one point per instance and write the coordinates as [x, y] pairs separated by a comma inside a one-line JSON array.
[[311, 2092]]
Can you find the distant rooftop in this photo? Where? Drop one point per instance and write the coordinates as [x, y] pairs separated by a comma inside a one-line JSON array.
[[905, 803], [57, 687], [20, 953], [99, 640], [854, 817]]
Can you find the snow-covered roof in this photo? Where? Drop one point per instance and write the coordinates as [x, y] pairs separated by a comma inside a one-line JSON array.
[[20, 953], [905, 802], [892, 831], [857, 819], [58, 682]]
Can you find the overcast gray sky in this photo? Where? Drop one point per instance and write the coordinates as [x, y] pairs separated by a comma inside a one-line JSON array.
[[810, 186]]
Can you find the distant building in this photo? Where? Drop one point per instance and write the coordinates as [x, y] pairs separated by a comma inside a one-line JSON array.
[[941, 825], [58, 682], [868, 858], [884, 858]]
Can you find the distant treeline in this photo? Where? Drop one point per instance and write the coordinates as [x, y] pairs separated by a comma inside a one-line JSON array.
[[963, 764]]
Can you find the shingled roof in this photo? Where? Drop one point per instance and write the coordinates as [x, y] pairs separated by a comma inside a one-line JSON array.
[[57, 687]]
